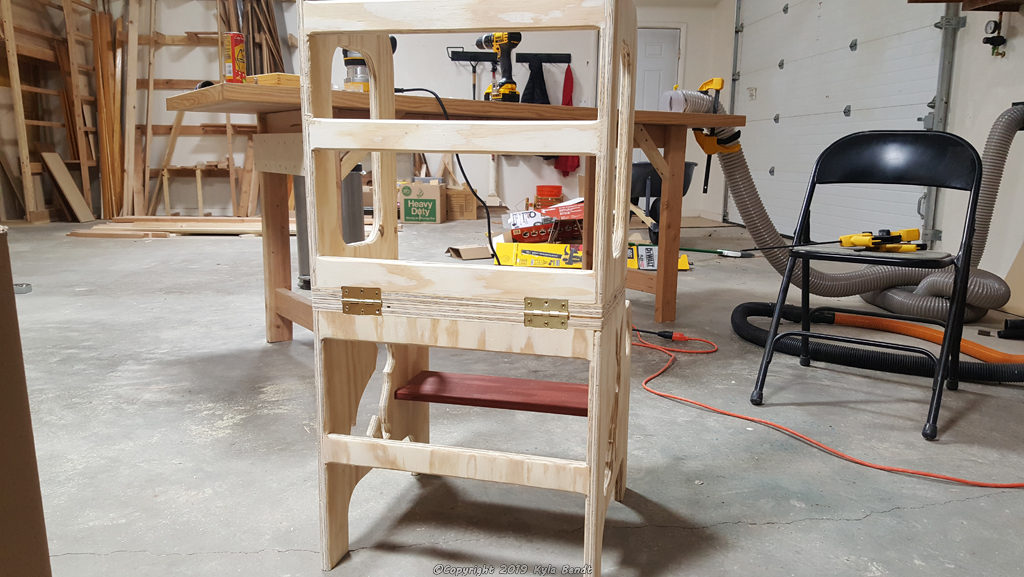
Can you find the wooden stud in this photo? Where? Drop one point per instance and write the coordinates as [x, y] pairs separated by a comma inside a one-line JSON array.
[[246, 181], [199, 191], [132, 197], [149, 110]]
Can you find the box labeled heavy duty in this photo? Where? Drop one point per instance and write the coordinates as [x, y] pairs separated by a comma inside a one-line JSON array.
[[422, 202]]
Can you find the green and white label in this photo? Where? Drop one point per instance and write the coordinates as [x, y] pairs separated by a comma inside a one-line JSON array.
[[420, 210]]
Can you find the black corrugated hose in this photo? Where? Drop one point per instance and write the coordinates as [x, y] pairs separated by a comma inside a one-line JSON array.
[[901, 363]]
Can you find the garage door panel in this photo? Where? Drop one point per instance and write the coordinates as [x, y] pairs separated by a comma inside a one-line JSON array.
[[886, 82]]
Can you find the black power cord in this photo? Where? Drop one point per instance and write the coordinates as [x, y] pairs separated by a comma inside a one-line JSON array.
[[458, 160]]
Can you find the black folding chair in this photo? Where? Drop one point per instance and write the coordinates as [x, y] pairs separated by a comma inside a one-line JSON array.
[[909, 157]]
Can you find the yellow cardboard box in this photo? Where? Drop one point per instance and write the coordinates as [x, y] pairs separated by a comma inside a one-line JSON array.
[[551, 255], [540, 254]]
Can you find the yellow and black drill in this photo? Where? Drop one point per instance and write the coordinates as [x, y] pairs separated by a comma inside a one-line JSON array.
[[503, 43]]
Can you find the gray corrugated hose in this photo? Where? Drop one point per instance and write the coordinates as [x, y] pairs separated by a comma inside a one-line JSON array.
[[914, 292]]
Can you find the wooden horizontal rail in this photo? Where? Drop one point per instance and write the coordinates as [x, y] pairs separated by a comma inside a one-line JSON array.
[[199, 129], [456, 280], [49, 123], [477, 136], [37, 90], [166, 84], [497, 466], [295, 307], [458, 334], [401, 16]]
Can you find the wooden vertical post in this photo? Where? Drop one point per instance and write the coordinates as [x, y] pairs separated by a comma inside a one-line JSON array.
[[199, 189], [132, 197], [34, 209], [144, 209]]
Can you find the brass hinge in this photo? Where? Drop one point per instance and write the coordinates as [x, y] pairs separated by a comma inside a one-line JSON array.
[[541, 313], [358, 300]]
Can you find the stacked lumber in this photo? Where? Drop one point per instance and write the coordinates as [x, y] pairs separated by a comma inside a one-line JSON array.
[[108, 93]]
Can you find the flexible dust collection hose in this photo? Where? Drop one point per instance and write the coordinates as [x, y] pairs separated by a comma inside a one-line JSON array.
[[912, 292]]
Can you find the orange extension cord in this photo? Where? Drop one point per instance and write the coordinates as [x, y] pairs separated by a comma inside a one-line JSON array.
[[670, 352]]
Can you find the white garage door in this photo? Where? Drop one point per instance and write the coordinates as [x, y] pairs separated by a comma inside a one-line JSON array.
[[800, 69]]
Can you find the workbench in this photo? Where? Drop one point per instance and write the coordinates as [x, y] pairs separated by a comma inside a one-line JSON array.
[[278, 154]]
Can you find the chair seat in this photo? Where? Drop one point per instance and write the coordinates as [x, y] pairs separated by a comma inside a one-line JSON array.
[[918, 259]]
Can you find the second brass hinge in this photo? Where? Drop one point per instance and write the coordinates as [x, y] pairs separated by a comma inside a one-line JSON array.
[[357, 300], [543, 313]]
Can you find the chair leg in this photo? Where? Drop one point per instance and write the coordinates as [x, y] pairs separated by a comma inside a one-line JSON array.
[[805, 312], [757, 396], [948, 360], [959, 299]]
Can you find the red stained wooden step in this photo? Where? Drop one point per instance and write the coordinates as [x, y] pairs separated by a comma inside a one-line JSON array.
[[496, 393]]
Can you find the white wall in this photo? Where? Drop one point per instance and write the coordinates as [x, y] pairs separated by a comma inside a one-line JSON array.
[[983, 87], [707, 53]]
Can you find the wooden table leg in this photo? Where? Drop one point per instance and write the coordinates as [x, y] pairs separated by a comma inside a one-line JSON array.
[[277, 255], [668, 224]]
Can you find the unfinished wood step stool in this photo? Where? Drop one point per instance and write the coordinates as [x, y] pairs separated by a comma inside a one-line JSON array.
[[363, 295]]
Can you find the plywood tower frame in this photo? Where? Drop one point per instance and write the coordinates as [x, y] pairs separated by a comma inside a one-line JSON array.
[[363, 296]]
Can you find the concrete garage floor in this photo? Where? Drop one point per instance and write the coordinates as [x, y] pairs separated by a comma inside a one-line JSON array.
[[173, 440]]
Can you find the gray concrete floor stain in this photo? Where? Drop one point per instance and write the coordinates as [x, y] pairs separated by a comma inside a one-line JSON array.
[[173, 439]]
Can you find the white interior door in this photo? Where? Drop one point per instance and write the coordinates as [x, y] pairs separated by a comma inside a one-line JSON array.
[[657, 68], [821, 70]]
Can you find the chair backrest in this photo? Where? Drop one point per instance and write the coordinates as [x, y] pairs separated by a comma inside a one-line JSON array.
[[911, 157]]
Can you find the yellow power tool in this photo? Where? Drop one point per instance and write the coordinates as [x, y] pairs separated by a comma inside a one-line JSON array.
[[884, 240], [503, 43]]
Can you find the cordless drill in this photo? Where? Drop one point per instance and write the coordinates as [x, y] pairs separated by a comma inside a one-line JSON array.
[[503, 43]]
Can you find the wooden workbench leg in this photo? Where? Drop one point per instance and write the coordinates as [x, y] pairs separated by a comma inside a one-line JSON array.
[[277, 254], [668, 224]]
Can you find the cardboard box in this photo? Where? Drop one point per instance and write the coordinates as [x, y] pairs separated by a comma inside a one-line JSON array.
[[422, 202], [469, 252], [1015, 278], [645, 257], [539, 254], [462, 204]]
